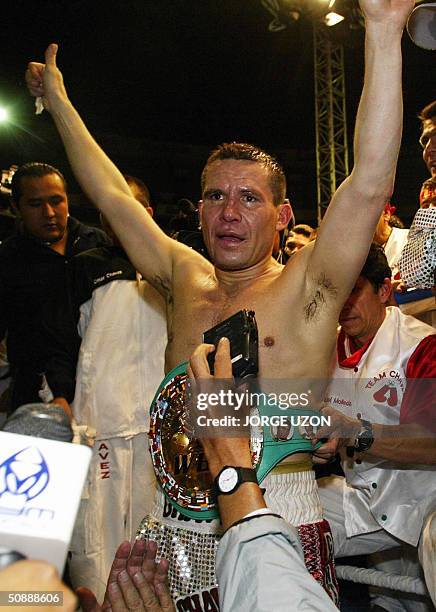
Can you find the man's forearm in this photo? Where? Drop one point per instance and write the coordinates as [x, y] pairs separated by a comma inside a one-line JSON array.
[[379, 118], [406, 444], [96, 173]]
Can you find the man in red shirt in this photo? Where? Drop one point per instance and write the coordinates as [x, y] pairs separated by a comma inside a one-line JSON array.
[[381, 404]]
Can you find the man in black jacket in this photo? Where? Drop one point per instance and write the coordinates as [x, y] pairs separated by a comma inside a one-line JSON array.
[[33, 270]]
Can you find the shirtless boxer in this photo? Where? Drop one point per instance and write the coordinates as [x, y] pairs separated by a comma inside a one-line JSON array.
[[297, 306]]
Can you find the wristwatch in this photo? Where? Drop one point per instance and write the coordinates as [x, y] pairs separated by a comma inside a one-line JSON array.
[[230, 479], [364, 438]]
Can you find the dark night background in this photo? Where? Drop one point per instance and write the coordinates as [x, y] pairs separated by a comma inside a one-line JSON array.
[[160, 82]]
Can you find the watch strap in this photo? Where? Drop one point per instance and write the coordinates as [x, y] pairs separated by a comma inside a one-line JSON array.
[[246, 475]]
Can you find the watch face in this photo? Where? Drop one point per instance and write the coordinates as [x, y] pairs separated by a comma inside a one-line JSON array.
[[228, 479]]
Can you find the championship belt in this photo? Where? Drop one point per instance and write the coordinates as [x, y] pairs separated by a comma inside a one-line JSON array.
[[178, 457]]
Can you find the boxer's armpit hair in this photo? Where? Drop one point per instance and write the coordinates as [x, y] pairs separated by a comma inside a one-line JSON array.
[[328, 286], [164, 287], [324, 291], [312, 309]]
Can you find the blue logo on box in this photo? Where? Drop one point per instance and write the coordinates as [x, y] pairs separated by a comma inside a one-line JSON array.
[[24, 474]]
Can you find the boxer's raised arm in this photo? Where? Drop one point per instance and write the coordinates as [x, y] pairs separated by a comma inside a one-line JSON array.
[[347, 229], [150, 250]]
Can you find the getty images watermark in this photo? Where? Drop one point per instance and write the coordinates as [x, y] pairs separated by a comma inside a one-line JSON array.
[[234, 405]]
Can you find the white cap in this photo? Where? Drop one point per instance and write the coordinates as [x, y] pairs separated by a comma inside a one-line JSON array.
[[421, 25]]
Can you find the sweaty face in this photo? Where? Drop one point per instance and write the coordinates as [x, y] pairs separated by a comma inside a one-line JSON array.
[[428, 143], [238, 217], [363, 312], [43, 207]]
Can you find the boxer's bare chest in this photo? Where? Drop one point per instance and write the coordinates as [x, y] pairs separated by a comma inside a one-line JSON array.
[[204, 302]]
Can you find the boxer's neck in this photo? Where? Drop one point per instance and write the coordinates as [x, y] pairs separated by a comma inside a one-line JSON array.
[[238, 279]]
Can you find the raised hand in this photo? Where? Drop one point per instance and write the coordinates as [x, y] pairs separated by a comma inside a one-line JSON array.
[[390, 12], [228, 448], [136, 582], [45, 80]]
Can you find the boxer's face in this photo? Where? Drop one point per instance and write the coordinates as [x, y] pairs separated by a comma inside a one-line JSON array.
[[237, 213]]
